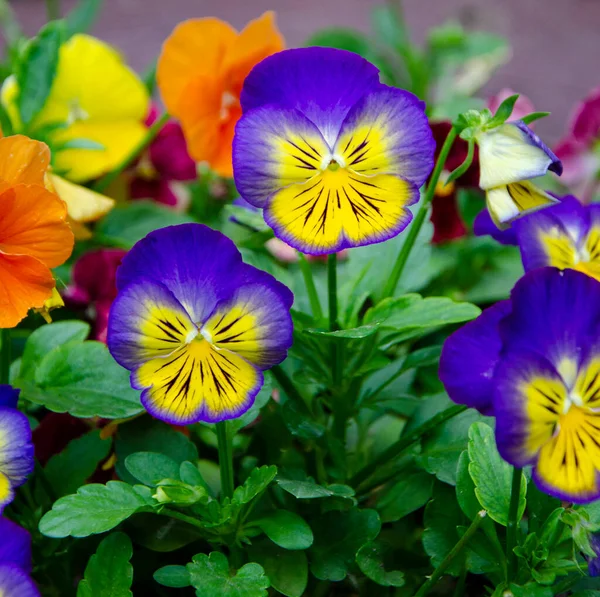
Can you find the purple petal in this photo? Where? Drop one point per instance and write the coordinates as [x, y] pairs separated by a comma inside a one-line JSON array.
[[200, 266], [555, 165], [387, 132], [15, 582], [15, 546], [484, 226], [16, 448], [469, 358], [274, 147], [552, 236], [322, 83], [9, 396]]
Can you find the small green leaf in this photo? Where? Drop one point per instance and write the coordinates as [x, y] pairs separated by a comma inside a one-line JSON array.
[[338, 536], [370, 559], [410, 493], [505, 109], [151, 467], [83, 380], [287, 570], [259, 479], [176, 577], [109, 573], [82, 17], [36, 70], [492, 475], [299, 422], [533, 590], [79, 144], [210, 575], [534, 116], [70, 469], [465, 488], [303, 490], [47, 338], [94, 509], [286, 529]]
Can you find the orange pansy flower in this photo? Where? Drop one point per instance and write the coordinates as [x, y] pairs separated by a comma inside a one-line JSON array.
[[34, 234], [200, 74]]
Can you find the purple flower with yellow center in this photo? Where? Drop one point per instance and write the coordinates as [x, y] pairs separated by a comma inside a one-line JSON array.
[[16, 448], [15, 561], [195, 325], [565, 235], [533, 361], [510, 155], [333, 156]]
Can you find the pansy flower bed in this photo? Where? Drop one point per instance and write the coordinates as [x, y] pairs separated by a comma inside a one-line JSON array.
[[314, 321]]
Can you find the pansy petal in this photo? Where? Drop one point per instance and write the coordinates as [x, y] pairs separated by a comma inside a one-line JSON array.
[[511, 153], [274, 148], [322, 83], [25, 283], [507, 203], [16, 449], [198, 383], [552, 236], [469, 358], [15, 547], [14, 582], [147, 321], [198, 265], [23, 160], [259, 39], [9, 396], [255, 323], [529, 398], [341, 209], [387, 132], [484, 226], [33, 222], [551, 316]]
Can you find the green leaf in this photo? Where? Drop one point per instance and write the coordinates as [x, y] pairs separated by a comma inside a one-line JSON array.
[[338, 536], [362, 331], [176, 577], [286, 529], [259, 479], [124, 225], [210, 575], [492, 475], [299, 422], [343, 39], [303, 490], [109, 573], [287, 570], [465, 488], [46, 339], [370, 559], [410, 493], [36, 70], [78, 144], [534, 116], [84, 380], [70, 469], [94, 509], [82, 17], [254, 411], [151, 467], [531, 590], [149, 435], [505, 109]]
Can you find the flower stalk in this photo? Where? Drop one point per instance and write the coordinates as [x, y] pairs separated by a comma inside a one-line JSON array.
[[225, 448], [513, 525], [311, 289]]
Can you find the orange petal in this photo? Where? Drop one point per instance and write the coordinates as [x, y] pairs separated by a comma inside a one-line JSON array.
[[23, 160], [259, 39], [221, 161], [196, 47], [33, 222], [25, 283]]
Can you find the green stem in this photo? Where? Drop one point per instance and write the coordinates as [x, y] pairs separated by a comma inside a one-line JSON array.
[[340, 413], [439, 571], [567, 583], [183, 517], [53, 9], [311, 289], [6, 356], [513, 525], [103, 183], [332, 291], [225, 459], [289, 388], [402, 258], [405, 442]]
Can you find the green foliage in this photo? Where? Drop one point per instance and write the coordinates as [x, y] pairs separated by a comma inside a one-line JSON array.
[[287, 570], [151, 467], [370, 559], [286, 529], [82, 16], [109, 573]]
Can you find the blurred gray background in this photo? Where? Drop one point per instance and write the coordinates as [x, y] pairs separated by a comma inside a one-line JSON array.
[[556, 43]]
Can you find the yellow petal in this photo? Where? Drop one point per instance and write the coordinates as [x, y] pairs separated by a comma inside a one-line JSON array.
[[83, 205]]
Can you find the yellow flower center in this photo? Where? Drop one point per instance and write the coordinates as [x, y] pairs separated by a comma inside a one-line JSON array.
[[76, 112]]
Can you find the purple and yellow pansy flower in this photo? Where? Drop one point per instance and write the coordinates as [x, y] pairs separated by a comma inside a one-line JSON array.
[[533, 362], [15, 561], [16, 448], [195, 325], [333, 156], [565, 235], [510, 155]]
